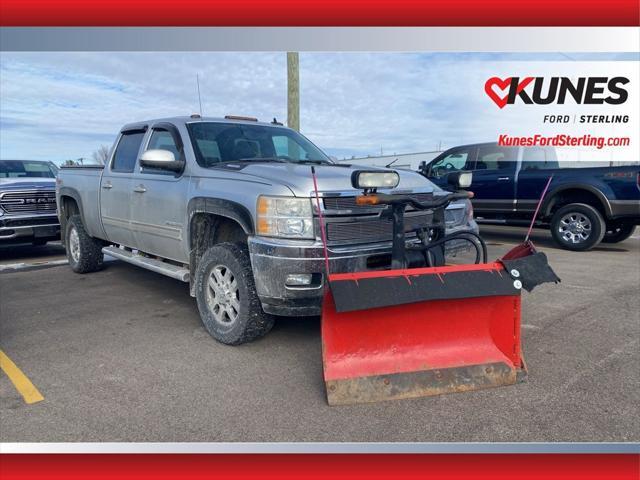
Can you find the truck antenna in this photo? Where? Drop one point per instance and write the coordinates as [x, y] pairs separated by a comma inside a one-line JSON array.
[[199, 97]]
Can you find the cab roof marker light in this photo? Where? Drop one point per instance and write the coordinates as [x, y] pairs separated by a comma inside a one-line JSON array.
[[240, 117]]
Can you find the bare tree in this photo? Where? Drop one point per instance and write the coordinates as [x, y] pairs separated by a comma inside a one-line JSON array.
[[101, 155]]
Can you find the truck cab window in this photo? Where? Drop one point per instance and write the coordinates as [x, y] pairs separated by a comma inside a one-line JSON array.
[[124, 159], [163, 140], [493, 157], [215, 142], [537, 158], [459, 159]]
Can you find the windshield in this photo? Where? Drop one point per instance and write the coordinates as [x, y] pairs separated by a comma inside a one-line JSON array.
[[214, 143], [26, 169]]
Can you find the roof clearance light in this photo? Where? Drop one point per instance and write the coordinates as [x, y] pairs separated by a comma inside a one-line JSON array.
[[238, 117]]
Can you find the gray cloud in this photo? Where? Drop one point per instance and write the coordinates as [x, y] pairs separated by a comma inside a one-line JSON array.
[[64, 105]]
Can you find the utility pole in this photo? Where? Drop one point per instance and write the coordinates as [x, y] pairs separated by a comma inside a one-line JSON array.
[[293, 91]]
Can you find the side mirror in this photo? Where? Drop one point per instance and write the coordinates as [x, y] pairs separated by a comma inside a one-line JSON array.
[[163, 159], [460, 180]]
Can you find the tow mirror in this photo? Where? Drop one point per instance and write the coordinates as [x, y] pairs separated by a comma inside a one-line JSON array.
[[163, 159], [460, 180]]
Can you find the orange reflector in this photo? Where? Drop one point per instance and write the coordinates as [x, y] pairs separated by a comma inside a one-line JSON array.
[[367, 200]]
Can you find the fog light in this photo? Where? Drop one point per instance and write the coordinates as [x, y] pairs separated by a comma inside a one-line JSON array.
[[299, 279]]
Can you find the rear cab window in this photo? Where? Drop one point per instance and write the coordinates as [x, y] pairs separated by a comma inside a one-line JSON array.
[[495, 157], [126, 154], [538, 158]]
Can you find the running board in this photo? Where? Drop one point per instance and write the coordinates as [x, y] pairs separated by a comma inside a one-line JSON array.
[[158, 266]]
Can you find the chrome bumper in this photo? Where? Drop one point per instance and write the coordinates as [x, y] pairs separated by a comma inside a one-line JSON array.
[[25, 227], [273, 260]]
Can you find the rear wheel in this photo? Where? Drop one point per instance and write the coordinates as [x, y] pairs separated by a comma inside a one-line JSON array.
[[617, 232], [577, 227], [227, 300], [83, 251]]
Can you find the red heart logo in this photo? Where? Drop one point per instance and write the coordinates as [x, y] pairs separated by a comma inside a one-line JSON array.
[[503, 85]]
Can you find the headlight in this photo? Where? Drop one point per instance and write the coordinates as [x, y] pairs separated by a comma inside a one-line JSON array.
[[285, 217], [468, 209]]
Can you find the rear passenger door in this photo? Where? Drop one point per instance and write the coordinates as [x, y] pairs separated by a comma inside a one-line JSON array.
[[494, 179], [115, 188], [537, 166], [159, 199]]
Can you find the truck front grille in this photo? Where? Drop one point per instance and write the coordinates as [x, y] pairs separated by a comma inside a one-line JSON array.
[[32, 201], [372, 230], [349, 203], [350, 223]]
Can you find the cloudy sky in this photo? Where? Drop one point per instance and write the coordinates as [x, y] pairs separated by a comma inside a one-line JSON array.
[[65, 105]]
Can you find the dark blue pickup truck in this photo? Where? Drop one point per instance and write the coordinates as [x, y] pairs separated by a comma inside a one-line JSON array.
[[582, 207]]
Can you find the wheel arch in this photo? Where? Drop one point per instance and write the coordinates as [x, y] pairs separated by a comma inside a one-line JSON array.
[[211, 221], [576, 193], [69, 204]]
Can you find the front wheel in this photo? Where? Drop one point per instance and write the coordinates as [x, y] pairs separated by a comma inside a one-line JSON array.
[[226, 295], [577, 227], [83, 251], [617, 233]]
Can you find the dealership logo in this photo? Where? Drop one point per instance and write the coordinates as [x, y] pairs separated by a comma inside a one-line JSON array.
[[556, 90]]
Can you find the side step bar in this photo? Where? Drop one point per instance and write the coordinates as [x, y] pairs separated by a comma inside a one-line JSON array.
[[158, 266]]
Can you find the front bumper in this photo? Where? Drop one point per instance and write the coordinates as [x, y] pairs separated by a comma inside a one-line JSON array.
[[24, 228], [273, 260]]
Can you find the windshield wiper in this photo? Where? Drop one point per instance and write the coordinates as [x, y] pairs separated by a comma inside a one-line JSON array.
[[261, 159], [315, 162]]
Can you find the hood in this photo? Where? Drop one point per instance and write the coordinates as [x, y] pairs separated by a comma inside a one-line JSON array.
[[331, 178], [32, 183]]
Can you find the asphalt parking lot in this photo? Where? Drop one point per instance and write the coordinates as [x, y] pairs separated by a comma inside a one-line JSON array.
[[120, 355]]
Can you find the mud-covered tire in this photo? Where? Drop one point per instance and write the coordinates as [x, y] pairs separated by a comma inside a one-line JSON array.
[[83, 251], [617, 233], [226, 295], [567, 219]]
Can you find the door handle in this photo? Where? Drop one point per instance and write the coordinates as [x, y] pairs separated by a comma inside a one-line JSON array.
[[107, 186], [503, 179], [140, 189]]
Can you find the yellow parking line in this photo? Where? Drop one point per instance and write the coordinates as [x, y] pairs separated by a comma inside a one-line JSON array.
[[24, 386]]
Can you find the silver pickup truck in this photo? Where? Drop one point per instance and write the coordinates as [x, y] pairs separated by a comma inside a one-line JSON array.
[[228, 205]]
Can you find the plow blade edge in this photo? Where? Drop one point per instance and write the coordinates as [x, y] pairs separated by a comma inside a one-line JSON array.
[[428, 332]]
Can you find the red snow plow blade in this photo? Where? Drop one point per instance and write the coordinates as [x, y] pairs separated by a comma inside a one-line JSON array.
[[417, 332], [430, 329]]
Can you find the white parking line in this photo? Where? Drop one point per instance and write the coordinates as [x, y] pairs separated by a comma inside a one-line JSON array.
[[12, 267]]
